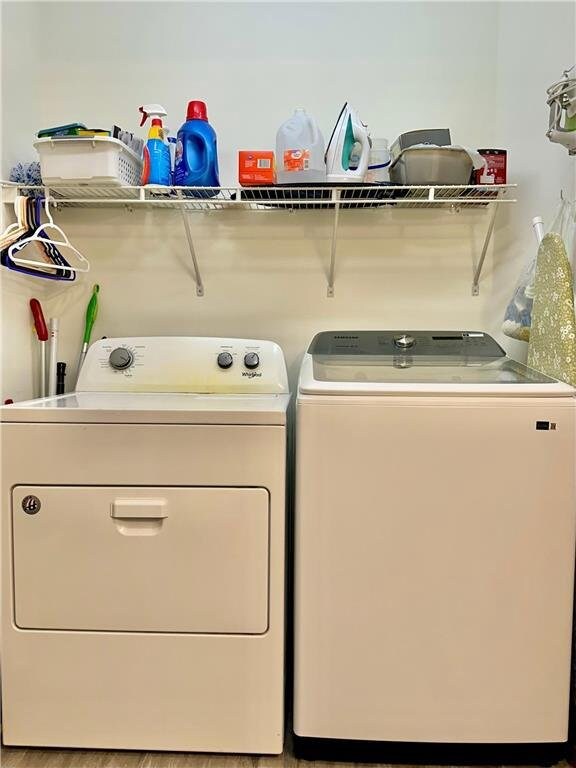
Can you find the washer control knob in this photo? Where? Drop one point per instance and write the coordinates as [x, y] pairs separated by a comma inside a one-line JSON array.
[[405, 341], [121, 358], [225, 360], [251, 360]]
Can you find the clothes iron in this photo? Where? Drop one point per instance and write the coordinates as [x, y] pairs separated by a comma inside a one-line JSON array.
[[348, 149], [562, 103]]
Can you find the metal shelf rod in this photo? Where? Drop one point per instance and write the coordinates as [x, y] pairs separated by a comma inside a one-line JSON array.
[[333, 245], [265, 198], [487, 238], [195, 265]]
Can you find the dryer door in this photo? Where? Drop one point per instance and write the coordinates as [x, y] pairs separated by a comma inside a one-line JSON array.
[[192, 560]]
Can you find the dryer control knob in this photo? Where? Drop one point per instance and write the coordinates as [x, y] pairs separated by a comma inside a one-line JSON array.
[[121, 358], [405, 341], [225, 360], [251, 360]]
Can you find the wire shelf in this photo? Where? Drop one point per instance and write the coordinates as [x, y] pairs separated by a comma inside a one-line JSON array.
[[276, 198], [292, 198]]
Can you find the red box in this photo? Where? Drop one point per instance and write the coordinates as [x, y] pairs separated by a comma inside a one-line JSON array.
[[256, 168], [494, 171]]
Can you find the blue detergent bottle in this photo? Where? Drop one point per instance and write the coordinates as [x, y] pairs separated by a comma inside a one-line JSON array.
[[196, 163]]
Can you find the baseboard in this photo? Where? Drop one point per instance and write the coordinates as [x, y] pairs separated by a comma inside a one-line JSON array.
[[349, 750]]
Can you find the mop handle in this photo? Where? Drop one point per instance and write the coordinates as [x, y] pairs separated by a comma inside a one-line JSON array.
[[42, 333], [53, 327]]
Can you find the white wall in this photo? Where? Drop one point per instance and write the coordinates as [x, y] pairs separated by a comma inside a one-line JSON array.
[[479, 68], [20, 111], [534, 39]]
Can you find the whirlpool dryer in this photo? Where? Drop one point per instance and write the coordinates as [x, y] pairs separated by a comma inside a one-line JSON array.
[[143, 551], [435, 533]]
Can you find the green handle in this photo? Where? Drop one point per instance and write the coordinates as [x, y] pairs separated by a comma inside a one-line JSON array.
[[91, 312]]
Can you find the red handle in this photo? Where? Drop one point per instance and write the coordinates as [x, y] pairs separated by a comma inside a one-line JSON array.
[[39, 322]]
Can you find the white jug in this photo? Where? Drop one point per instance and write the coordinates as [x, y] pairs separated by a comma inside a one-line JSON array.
[[300, 151]]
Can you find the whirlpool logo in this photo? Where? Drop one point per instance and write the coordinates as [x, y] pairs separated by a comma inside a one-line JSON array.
[[251, 374]]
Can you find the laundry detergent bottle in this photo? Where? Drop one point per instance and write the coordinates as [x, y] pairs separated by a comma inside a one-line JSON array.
[[300, 150], [196, 163], [157, 167]]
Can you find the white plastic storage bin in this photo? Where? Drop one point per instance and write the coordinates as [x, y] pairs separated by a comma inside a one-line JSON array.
[[90, 161]]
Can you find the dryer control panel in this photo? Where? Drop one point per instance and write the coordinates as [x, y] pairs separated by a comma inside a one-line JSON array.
[[184, 364]]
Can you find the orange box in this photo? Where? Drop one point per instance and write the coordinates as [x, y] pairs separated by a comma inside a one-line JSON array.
[[256, 168]]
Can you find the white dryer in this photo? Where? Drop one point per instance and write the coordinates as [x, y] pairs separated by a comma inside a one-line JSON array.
[[434, 548], [143, 529]]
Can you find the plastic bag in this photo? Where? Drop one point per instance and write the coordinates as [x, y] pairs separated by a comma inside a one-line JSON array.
[[518, 315]]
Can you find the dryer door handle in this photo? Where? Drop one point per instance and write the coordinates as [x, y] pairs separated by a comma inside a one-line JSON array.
[[141, 509]]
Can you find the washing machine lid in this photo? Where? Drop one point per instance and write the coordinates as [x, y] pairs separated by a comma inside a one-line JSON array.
[[150, 408], [418, 362]]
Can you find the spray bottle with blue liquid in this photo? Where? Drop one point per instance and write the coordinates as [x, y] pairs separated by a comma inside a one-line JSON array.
[[157, 168]]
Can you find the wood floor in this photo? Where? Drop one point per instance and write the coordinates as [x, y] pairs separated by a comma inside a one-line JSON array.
[[77, 758]]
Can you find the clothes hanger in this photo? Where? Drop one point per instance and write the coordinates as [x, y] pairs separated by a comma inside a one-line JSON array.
[[39, 236], [53, 254], [17, 228], [52, 267], [51, 248], [39, 249]]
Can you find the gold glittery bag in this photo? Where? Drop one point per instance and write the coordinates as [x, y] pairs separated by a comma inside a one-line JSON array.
[[552, 347]]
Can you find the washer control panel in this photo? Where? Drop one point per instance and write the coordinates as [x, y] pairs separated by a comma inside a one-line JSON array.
[[121, 358], [225, 360], [404, 341], [184, 364], [445, 344], [251, 360]]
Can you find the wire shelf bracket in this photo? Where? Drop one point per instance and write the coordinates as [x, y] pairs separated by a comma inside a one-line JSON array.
[[487, 238], [193, 256], [333, 244]]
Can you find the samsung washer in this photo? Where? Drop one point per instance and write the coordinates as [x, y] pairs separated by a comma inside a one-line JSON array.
[[434, 548], [143, 521]]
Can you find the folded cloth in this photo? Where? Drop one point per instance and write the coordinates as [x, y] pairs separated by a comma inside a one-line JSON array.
[[552, 346]]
